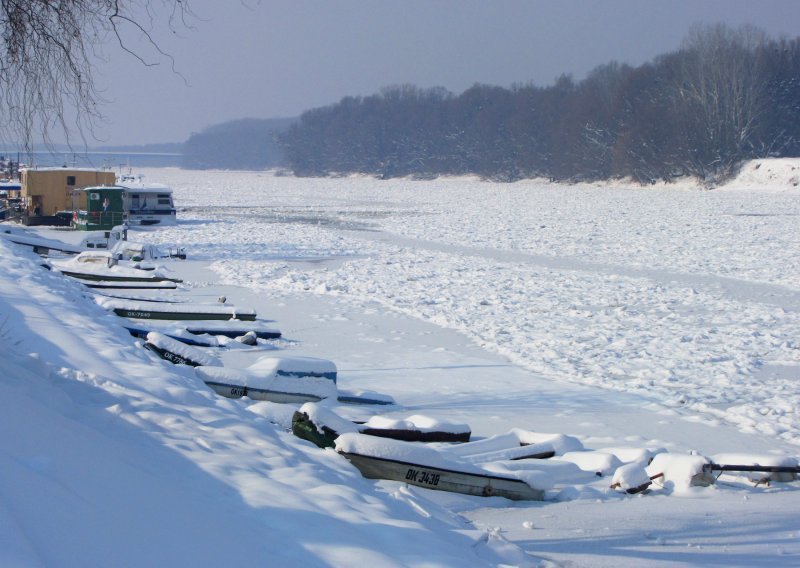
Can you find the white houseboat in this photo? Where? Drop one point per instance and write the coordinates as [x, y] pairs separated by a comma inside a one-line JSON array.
[[147, 203]]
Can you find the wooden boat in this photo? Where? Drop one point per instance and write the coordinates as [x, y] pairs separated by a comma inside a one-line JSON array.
[[439, 475], [167, 311], [276, 379]]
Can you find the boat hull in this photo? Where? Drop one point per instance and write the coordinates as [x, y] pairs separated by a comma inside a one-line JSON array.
[[181, 316], [168, 355], [238, 391], [111, 278], [124, 285], [444, 479]]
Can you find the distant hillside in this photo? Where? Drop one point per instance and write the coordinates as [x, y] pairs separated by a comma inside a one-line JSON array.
[[246, 144]]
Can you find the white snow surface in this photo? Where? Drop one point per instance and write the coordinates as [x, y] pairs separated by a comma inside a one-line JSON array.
[[634, 321]]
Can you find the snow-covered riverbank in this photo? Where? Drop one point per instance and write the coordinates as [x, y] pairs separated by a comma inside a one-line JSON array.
[[499, 306]]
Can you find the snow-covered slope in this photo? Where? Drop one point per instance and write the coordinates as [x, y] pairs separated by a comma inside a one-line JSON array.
[[111, 457]]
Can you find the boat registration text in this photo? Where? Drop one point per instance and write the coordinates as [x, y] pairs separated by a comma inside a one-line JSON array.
[[422, 477]]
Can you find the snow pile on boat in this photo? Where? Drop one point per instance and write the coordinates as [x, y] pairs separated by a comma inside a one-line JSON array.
[[416, 422], [631, 477], [178, 352], [280, 379], [320, 415], [678, 472], [515, 444], [103, 264], [144, 307]]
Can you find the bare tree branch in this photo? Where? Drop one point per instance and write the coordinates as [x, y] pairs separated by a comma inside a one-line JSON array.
[[47, 54]]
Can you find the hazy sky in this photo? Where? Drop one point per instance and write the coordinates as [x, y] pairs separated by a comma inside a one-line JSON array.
[[275, 58]]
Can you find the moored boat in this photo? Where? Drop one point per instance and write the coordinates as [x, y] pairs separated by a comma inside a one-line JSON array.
[[322, 426], [276, 379], [141, 309], [181, 335], [233, 329], [176, 352], [129, 285], [103, 266], [423, 466], [147, 203]]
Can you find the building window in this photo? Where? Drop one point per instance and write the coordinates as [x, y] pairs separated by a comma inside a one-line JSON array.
[[70, 180]]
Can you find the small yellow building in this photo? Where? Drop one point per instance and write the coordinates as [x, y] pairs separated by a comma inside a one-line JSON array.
[[45, 191]]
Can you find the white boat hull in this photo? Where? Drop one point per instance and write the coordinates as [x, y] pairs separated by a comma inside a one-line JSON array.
[[487, 485]]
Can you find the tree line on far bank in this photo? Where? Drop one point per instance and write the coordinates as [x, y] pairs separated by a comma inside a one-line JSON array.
[[726, 96], [245, 144]]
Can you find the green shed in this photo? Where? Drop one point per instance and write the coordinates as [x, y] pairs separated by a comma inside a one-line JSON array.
[[98, 208]]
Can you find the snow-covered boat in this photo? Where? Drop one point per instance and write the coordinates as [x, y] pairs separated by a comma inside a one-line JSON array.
[[276, 379], [322, 426], [128, 285], [103, 266], [423, 466], [759, 468], [103, 240], [177, 352], [233, 329], [141, 332], [147, 203], [141, 309]]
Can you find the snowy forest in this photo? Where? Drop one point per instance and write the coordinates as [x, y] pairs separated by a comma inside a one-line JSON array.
[[727, 95]]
